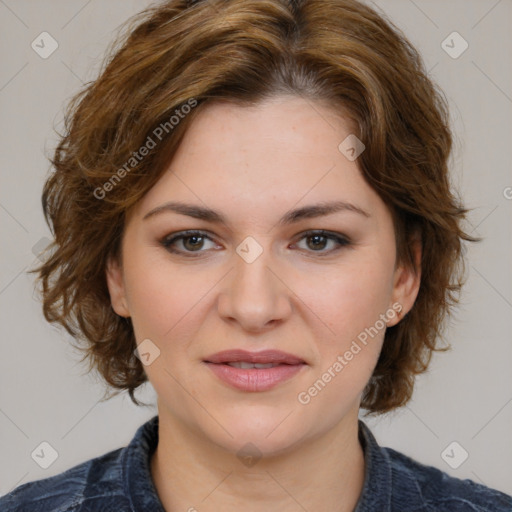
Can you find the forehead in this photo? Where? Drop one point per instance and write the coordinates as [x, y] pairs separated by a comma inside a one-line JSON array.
[[269, 157], [287, 127]]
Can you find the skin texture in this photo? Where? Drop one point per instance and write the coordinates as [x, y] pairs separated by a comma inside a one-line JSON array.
[[308, 297]]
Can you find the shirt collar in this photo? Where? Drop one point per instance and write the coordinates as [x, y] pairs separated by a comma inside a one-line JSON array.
[[376, 493], [137, 479]]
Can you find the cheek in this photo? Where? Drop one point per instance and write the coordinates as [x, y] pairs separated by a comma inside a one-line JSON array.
[[161, 297], [351, 303], [348, 298]]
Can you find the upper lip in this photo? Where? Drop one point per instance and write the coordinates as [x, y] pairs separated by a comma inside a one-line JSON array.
[[262, 357]]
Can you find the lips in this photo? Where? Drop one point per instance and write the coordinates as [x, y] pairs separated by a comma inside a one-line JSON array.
[[263, 357], [254, 371]]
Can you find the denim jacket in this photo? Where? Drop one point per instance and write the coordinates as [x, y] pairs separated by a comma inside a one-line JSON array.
[[120, 481]]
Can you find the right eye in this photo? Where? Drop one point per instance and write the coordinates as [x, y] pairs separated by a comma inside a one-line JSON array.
[[191, 242]]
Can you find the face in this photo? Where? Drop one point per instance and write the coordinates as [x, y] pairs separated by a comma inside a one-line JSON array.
[[320, 288]]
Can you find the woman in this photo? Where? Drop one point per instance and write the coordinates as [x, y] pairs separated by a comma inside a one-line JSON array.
[[251, 209]]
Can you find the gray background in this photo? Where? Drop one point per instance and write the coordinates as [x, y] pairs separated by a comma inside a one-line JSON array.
[[467, 394]]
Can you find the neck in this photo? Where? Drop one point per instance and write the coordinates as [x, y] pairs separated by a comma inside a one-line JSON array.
[[191, 473]]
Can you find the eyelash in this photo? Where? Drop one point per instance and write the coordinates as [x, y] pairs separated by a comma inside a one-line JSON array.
[[167, 242]]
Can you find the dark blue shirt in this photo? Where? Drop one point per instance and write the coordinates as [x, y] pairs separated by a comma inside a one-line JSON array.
[[120, 481]]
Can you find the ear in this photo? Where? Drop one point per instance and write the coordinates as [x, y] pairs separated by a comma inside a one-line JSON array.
[[116, 288], [406, 285]]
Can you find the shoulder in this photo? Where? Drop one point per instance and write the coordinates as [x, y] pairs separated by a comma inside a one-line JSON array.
[[93, 483], [439, 491]]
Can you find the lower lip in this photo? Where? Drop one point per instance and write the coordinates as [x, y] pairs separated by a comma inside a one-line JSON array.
[[255, 379]]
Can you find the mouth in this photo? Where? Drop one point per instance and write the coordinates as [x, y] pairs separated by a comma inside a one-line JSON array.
[[264, 357], [246, 365], [254, 371]]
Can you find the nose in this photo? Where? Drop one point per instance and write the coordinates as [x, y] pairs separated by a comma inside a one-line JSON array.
[[254, 293]]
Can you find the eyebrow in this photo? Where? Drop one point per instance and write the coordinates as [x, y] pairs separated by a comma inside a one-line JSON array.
[[290, 217]]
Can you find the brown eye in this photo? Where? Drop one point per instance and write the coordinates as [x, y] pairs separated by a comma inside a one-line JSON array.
[[191, 242], [319, 240]]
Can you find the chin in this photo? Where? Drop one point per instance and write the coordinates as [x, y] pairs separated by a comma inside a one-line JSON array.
[[272, 430]]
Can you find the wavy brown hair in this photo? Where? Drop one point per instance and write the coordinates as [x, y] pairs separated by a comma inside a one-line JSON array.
[[339, 52]]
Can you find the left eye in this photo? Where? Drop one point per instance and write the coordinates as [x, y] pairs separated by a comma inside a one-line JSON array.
[[193, 241], [319, 240]]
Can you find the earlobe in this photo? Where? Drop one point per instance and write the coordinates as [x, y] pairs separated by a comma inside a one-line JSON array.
[[116, 288], [406, 286]]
